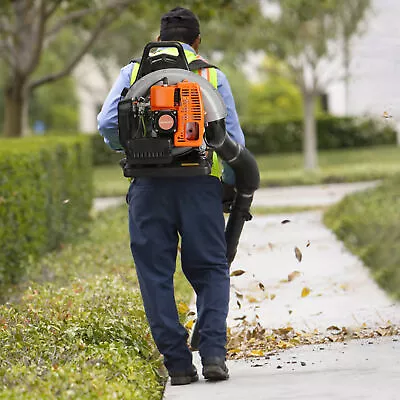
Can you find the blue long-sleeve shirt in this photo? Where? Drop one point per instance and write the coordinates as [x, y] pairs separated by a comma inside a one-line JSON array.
[[108, 116]]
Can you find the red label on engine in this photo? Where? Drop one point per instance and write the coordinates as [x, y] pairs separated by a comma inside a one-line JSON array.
[[166, 122]]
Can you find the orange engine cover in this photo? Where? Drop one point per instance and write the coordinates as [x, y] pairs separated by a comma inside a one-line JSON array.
[[185, 99]]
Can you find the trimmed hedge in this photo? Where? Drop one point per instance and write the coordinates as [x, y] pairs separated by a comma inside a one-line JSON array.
[[85, 334], [102, 154], [368, 223], [90, 340], [45, 197], [281, 136]]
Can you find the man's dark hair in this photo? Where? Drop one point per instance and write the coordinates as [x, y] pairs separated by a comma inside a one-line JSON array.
[[179, 24]]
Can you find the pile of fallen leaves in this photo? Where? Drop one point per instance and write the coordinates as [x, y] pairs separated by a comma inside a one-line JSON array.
[[253, 340]]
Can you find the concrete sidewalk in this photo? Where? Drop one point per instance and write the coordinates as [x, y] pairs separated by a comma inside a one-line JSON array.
[[362, 369], [313, 195], [341, 293]]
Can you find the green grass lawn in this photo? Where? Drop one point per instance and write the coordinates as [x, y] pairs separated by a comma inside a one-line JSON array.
[[347, 165], [368, 224]]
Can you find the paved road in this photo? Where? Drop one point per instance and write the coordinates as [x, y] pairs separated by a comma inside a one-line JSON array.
[[341, 293]]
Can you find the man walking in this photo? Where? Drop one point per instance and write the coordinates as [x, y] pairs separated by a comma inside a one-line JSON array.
[[160, 209]]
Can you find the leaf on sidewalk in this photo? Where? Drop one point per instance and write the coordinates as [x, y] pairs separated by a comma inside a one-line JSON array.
[[238, 272], [259, 353], [308, 243], [285, 221], [183, 308], [261, 286], [305, 292], [293, 275], [189, 324], [251, 299], [239, 304], [333, 328], [298, 254], [239, 295]]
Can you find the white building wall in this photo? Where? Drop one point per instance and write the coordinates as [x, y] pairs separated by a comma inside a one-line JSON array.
[[375, 67], [92, 89]]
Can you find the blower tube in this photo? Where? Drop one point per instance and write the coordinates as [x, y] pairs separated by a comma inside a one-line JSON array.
[[247, 181]]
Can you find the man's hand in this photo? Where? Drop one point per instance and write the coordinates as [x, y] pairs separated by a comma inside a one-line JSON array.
[[228, 196]]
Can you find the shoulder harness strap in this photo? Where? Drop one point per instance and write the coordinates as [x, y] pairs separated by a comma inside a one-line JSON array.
[[195, 65]]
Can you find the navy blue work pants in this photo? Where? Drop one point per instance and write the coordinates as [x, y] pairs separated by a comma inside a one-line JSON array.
[[159, 210]]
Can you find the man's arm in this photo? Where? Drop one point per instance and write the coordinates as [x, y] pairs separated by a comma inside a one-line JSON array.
[[232, 123], [108, 117]]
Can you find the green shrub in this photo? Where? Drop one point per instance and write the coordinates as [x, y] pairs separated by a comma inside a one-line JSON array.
[[277, 136], [88, 340], [102, 154], [367, 222], [85, 335], [45, 197]]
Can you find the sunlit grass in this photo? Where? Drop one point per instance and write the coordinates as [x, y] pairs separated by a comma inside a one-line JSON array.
[[349, 165]]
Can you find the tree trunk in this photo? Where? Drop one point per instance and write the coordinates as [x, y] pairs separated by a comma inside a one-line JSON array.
[[15, 108], [346, 64], [310, 132]]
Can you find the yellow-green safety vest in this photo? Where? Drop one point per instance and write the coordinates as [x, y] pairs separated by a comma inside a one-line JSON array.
[[208, 73]]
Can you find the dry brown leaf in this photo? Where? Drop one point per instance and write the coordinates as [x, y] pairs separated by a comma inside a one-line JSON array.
[[239, 295], [382, 332], [259, 353], [191, 313], [308, 243], [333, 328], [272, 296], [261, 286], [243, 317], [293, 275], [238, 272], [239, 304], [251, 299], [305, 292], [285, 221], [298, 254]]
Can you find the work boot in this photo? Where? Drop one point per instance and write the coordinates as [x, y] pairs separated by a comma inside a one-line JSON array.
[[215, 369], [184, 377]]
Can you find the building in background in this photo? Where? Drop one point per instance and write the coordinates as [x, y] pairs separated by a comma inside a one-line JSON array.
[[93, 84], [374, 68]]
